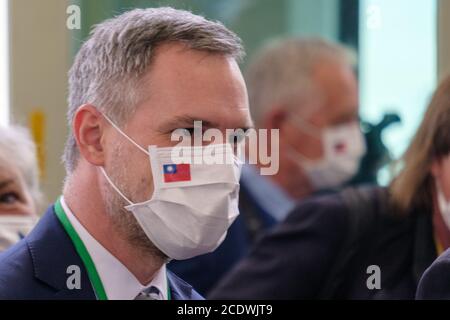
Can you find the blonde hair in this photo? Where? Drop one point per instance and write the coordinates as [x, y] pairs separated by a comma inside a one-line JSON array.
[[413, 186]]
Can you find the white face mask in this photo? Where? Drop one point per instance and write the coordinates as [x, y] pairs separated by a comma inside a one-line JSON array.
[[444, 205], [13, 228], [343, 146], [193, 204]]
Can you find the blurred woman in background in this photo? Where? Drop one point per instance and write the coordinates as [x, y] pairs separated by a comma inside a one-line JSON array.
[[20, 195], [434, 191], [365, 242], [424, 180]]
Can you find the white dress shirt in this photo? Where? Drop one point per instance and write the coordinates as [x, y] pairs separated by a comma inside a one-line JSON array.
[[119, 283]]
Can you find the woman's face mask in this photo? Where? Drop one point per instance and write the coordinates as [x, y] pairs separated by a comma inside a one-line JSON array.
[[343, 146], [440, 170], [13, 228]]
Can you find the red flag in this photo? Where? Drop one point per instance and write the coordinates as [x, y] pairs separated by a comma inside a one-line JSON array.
[[177, 172]]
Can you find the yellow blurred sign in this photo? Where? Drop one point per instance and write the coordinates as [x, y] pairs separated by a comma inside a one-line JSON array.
[[37, 128]]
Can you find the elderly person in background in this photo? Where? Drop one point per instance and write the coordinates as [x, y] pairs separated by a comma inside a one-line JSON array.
[[19, 185], [307, 89]]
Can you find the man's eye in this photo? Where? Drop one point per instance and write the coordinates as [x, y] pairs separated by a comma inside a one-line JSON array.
[[9, 198], [237, 137], [187, 131]]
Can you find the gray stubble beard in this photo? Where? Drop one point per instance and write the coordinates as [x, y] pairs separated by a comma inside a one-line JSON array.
[[123, 220]]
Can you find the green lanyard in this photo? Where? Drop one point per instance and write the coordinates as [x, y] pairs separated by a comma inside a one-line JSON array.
[[84, 254]]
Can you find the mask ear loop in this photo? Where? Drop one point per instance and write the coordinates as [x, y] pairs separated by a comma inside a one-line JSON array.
[[311, 129], [305, 125], [124, 135], [115, 188], [135, 144]]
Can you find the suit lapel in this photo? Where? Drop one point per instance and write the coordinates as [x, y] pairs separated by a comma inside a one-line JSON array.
[[52, 252]]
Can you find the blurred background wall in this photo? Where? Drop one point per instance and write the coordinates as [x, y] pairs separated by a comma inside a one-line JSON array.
[[403, 47], [39, 59], [444, 38], [255, 21]]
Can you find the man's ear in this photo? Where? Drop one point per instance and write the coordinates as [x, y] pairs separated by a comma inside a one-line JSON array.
[[275, 118], [88, 129]]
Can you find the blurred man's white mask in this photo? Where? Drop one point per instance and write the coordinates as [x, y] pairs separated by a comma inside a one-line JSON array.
[[343, 145], [13, 228]]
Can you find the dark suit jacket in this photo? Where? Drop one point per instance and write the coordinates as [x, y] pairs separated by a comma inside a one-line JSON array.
[[435, 283], [36, 267], [203, 272], [295, 259]]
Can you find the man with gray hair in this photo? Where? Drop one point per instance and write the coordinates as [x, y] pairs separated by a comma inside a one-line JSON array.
[[307, 89], [126, 208]]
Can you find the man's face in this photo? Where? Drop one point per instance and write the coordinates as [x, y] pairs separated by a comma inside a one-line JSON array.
[[15, 199], [182, 86], [336, 104], [339, 105]]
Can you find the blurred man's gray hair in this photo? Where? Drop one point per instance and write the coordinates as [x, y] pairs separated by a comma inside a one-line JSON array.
[[18, 152], [109, 66], [281, 72]]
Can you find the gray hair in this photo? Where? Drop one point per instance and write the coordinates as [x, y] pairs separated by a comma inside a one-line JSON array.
[[17, 150], [109, 66], [282, 71]]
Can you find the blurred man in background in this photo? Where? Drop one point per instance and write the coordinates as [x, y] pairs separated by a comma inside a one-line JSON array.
[[20, 195], [308, 90]]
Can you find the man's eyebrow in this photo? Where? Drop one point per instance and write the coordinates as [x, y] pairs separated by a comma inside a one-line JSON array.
[[188, 121], [185, 121], [5, 183]]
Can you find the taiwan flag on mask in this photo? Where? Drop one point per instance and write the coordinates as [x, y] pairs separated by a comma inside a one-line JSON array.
[[177, 172]]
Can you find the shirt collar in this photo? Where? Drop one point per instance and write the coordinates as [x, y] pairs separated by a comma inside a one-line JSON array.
[[270, 196], [118, 281]]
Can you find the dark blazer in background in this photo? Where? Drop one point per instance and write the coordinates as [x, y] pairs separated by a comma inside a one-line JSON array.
[[435, 283], [36, 267], [295, 259]]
